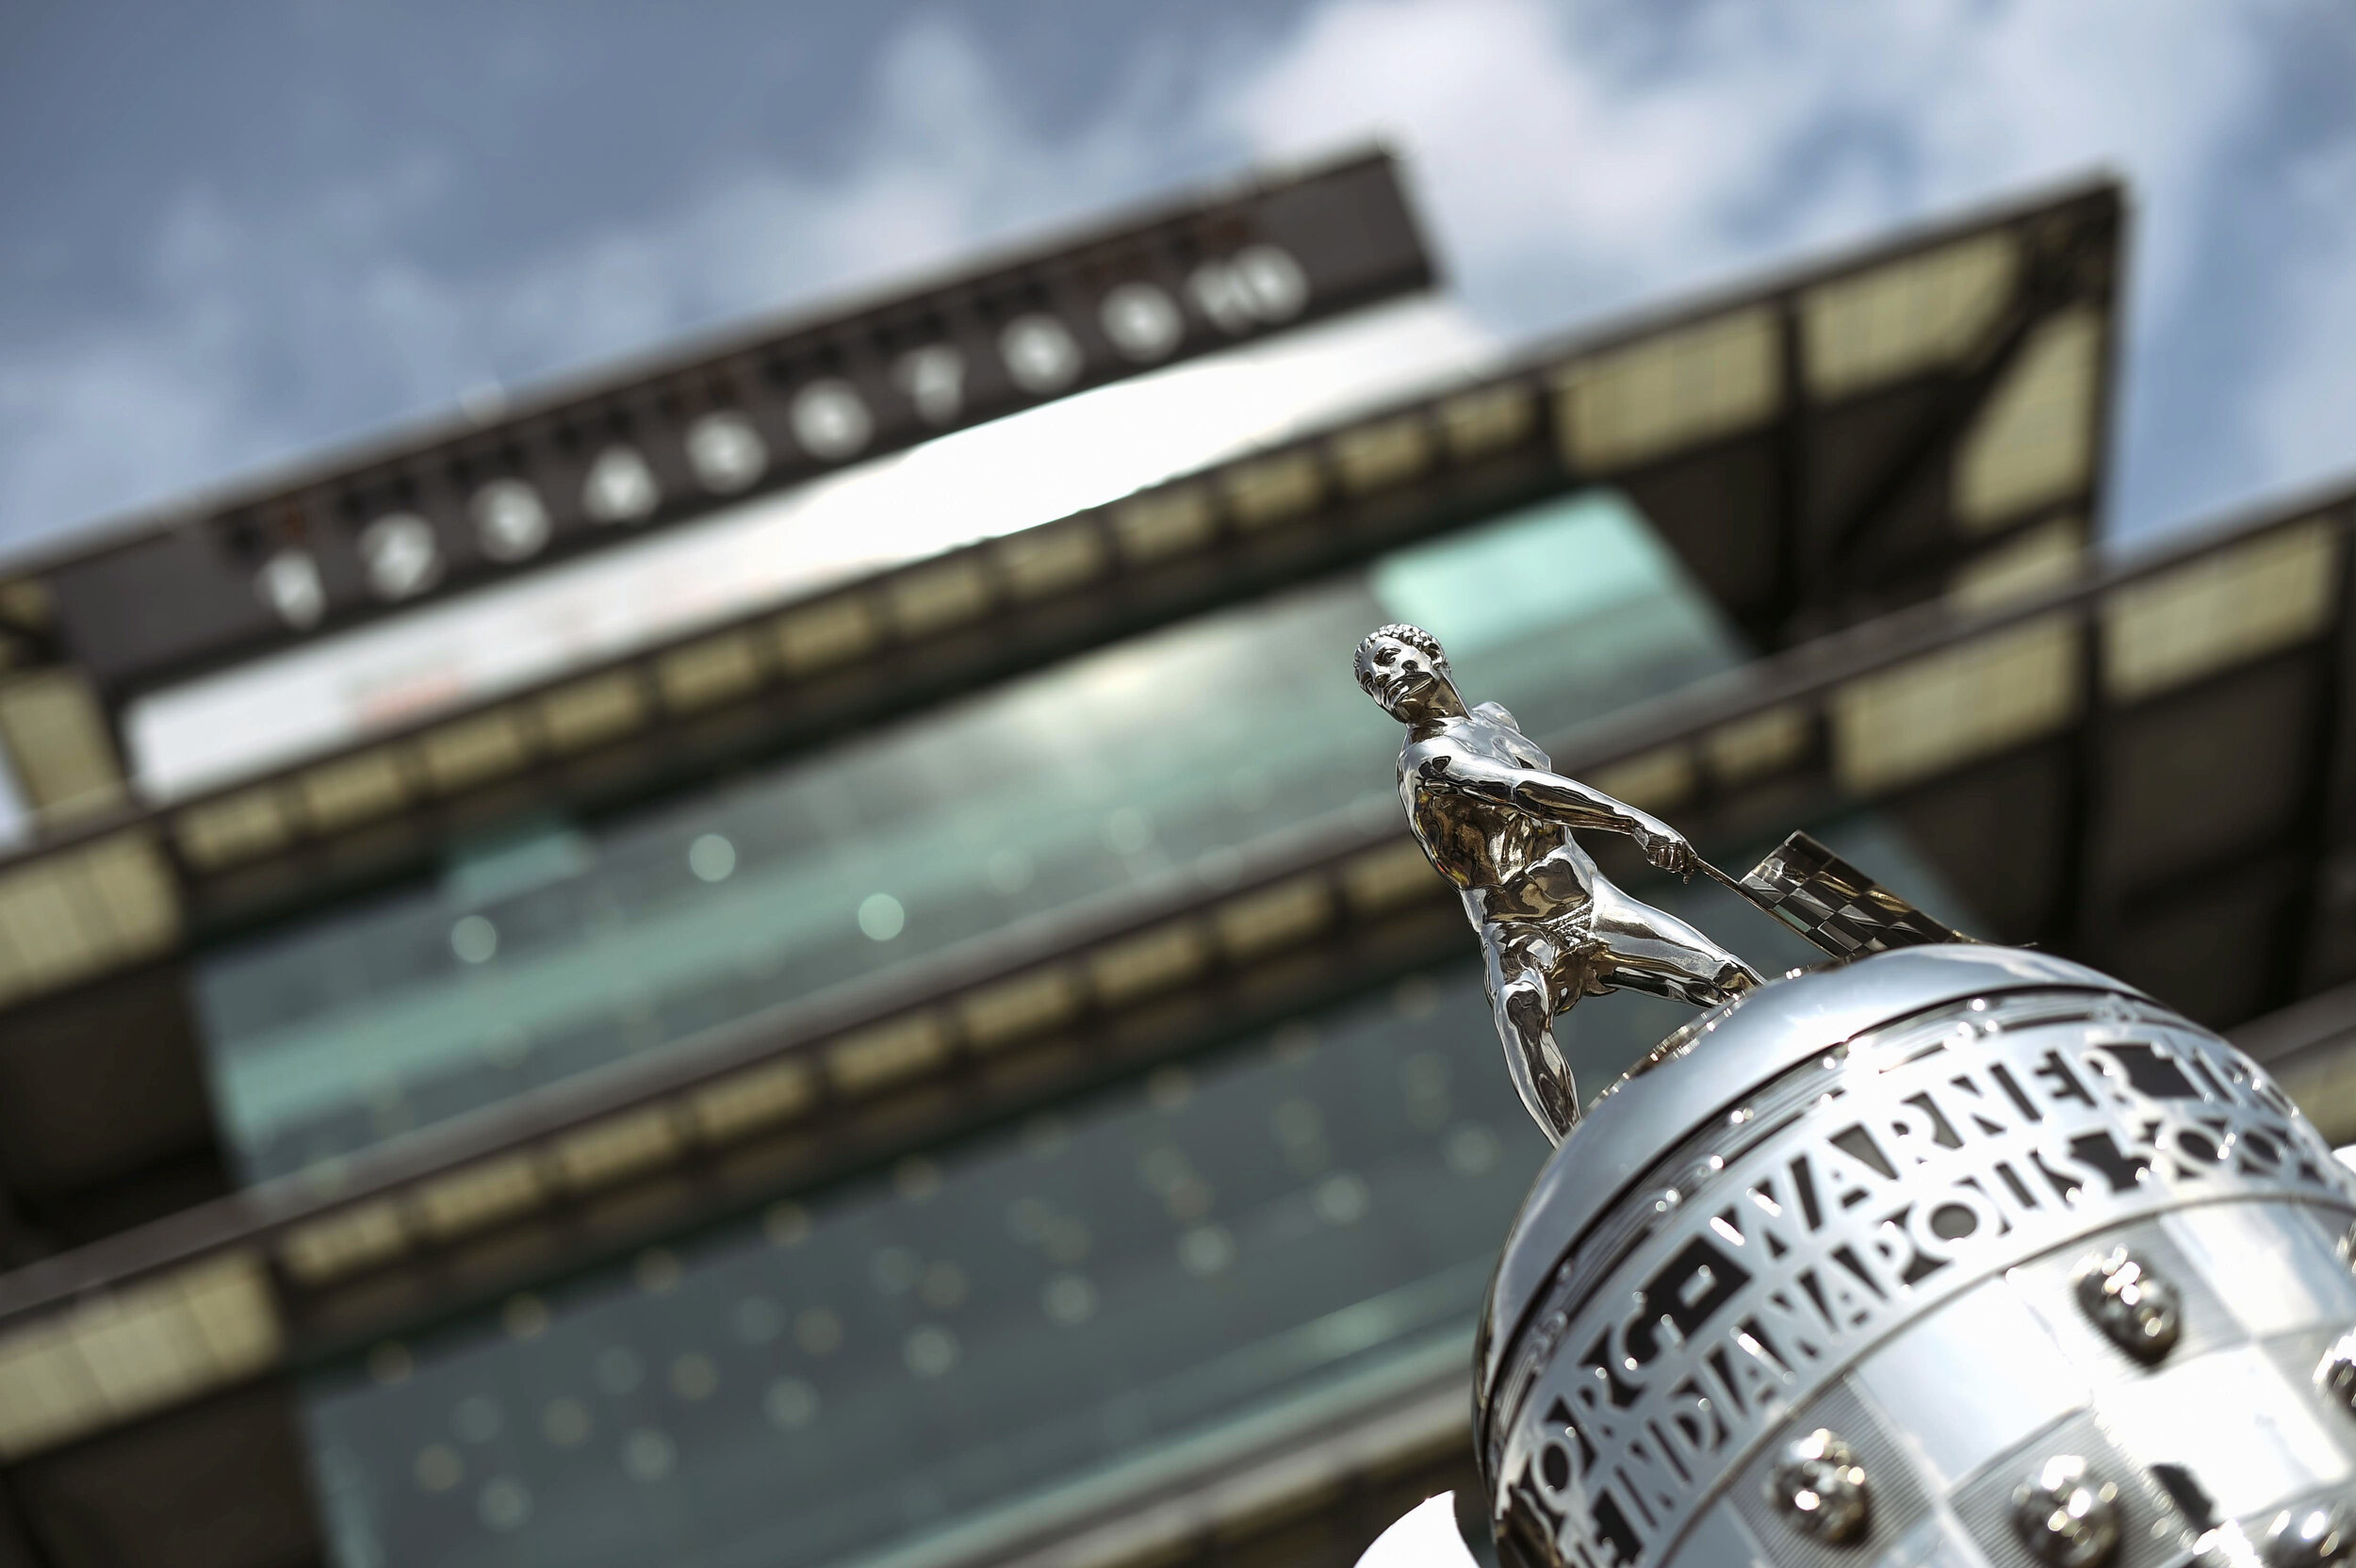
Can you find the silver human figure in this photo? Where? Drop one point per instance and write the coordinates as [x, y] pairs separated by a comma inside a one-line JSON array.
[[1498, 823]]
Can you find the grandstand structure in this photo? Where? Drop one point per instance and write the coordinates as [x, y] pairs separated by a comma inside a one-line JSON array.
[[950, 1058]]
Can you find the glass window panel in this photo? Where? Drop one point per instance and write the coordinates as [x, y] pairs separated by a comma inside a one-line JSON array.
[[1264, 1235], [1279, 1228], [559, 950]]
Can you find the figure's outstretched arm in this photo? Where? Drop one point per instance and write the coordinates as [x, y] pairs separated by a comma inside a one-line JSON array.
[[1557, 799], [1532, 790]]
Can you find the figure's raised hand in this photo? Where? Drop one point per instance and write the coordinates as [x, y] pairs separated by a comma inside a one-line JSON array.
[[1665, 846]]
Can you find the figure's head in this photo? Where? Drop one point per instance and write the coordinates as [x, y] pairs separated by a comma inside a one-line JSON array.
[[1403, 668]]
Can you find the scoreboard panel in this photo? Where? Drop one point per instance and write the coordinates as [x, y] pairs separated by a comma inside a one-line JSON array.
[[583, 467]]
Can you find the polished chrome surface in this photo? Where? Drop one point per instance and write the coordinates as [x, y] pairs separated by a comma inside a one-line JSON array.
[[2066, 1514], [2312, 1536], [1951, 1254], [2335, 1375], [1865, 1200], [1839, 908], [1497, 822], [2123, 1296], [1820, 1489]]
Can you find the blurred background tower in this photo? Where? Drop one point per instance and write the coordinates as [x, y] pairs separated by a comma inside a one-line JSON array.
[[654, 974]]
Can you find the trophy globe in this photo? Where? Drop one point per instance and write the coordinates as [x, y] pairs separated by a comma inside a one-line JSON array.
[[1937, 1254]]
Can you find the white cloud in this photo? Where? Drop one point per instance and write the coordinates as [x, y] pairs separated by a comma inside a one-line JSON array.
[[268, 330], [1574, 160], [1656, 142], [1582, 157]]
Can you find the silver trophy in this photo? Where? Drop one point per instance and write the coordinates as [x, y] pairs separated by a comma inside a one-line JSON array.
[[1941, 1254]]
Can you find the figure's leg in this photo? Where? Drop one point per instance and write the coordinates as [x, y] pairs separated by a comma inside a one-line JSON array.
[[1652, 950], [1523, 999]]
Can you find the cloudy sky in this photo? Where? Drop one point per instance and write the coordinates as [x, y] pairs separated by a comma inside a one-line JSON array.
[[231, 232]]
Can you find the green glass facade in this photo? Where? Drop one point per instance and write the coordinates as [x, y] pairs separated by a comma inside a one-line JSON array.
[[922, 1362], [564, 949], [907, 1366]]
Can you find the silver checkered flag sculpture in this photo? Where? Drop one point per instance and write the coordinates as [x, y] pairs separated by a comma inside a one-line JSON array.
[[1941, 1253], [1835, 906]]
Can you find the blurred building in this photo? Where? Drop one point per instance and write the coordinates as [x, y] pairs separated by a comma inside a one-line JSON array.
[[803, 955]]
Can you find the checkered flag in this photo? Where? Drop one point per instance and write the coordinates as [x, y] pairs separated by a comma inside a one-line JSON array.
[[1834, 905]]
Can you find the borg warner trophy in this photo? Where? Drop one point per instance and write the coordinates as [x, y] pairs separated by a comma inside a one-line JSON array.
[[1939, 1254]]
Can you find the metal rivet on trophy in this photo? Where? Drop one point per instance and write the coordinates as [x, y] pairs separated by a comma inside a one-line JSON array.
[[2335, 1375], [2131, 1305], [2310, 1537], [1820, 1488], [2066, 1514]]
